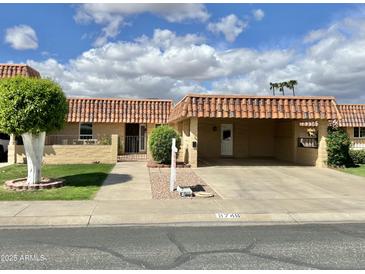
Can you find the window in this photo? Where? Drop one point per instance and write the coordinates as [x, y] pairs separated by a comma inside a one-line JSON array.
[[227, 134], [359, 132], [86, 131], [4, 136]]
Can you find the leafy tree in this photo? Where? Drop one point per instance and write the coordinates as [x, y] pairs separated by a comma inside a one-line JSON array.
[[338, 145], [30, 107], [160, 143]]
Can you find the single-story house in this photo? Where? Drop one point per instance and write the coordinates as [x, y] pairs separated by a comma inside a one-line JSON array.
[[353, 121], [91, 119], [289, 128], [214, 126]]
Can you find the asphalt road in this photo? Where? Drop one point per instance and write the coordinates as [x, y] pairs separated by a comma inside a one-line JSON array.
[[337, 246]]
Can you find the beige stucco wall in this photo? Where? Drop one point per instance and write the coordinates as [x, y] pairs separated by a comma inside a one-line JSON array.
[[357, 143], [107, 129], [99, 130], [68, 129], [284, 140], [150, 128], [251, 138], [71, 154], [188, 130]]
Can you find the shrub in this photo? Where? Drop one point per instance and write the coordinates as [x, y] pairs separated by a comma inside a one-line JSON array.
[[31, 105], [338, 146], [160, 143], [357, 156]]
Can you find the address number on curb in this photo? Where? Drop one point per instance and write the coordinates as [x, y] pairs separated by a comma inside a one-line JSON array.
[[227, 215]]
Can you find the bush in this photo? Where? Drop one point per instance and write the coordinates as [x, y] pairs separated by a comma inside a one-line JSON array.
[[338, 146], [160, 143], [357, 156]]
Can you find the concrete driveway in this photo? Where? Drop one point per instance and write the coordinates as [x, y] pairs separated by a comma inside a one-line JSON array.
[[269, 179]]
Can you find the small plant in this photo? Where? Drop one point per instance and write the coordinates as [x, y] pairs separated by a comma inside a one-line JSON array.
[[160, 143], [357, 156], [338, 146]]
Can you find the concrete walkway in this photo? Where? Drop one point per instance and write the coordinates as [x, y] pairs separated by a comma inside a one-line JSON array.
[[127, 181]]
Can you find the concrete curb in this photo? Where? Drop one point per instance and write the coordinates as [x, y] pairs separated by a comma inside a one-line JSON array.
[[179, 220]]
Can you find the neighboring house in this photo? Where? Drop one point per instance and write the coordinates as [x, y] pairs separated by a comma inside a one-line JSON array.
[[353, 121], [290, 128], [11, 70], [95, 119]]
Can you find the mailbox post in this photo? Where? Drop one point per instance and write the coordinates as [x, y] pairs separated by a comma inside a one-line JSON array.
[[173, 165]]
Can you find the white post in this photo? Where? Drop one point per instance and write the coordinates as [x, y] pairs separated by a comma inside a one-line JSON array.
[[173, 165], [34, 146]]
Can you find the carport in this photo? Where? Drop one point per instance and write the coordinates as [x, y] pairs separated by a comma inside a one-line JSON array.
[[286, 128]]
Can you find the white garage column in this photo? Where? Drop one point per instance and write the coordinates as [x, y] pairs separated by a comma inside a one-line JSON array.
[[322, 144]]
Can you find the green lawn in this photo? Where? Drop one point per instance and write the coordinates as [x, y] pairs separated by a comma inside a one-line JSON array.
[[359, 170], [81, 182]]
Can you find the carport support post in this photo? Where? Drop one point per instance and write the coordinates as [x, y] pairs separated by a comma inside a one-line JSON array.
[[193, 151], [322, 144]]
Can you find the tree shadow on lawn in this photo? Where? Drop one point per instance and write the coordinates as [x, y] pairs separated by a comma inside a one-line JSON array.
[[95, 179]]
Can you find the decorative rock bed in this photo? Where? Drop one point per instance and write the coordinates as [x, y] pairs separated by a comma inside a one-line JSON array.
[[185, 177], [21, 184]]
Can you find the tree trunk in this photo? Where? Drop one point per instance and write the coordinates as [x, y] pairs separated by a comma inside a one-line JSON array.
[[34, 147]]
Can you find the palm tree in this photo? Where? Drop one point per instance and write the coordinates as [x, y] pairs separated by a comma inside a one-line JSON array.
[[272, 87], [291, 84], [282, 85]]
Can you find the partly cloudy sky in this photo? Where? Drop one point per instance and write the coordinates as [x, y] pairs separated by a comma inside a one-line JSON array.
[[168, 50]]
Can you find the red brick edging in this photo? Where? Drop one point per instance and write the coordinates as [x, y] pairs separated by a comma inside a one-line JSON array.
[[21, 184]]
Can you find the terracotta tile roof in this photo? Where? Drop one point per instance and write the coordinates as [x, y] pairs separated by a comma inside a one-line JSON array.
[[11, 70], [100, 110], [352, 115], [263, 107]]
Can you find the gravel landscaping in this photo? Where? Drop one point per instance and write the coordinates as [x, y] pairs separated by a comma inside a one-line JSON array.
[[185, 177]]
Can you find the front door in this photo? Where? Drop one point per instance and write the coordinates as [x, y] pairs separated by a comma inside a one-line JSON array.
[[142, 137], [226, 140]]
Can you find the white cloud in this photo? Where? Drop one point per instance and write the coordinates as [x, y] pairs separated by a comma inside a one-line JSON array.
[[165, 65], [166, 39], [21, 37], [112, 16], [168, 66], [231, 27], [258, 14]]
